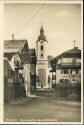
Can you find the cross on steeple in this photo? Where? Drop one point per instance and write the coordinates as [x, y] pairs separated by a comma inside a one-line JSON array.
[[74, 43], [41, 23], [12, 36]]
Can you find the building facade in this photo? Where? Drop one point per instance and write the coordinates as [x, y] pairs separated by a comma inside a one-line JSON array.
[[66, 69], [8, 82], [42, 60], [17, 52], [32, 69]]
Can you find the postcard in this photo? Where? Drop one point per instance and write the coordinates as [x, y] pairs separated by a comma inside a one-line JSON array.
[[41, 62]]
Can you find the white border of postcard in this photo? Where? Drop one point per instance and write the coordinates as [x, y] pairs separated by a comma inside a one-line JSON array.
[[2, 2]]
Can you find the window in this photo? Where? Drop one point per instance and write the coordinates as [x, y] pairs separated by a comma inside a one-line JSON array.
[[76, 71], [41, 47], [41, 55], [64, 71], [74, 61], [70, 71]]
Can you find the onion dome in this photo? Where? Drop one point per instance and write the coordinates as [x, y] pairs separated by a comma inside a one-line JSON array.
[[42, 36]]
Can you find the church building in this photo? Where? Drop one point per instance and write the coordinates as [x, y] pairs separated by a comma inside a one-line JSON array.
[[42, 60]]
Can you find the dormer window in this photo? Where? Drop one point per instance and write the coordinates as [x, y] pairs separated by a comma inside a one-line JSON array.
[[41, 47]]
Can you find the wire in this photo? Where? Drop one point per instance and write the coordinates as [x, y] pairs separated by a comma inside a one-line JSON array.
[[29, 20]]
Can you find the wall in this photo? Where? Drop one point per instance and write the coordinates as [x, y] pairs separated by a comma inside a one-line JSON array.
[[44, 50], [8, 82], [72, 76], [26, 76]]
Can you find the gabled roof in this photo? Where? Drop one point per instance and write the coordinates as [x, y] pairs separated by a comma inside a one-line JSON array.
[[72, 53], [12, 46]]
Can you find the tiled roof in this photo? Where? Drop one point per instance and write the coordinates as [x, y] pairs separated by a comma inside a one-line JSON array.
[[72, 53], [13, 45]]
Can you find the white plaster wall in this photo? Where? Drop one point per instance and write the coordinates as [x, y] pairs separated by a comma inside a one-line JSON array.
[[68, 76], [26, 75], [44, 50], [45, 63], [58, 76]]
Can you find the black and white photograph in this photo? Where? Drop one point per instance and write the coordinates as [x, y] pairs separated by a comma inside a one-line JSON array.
[[43, 62]]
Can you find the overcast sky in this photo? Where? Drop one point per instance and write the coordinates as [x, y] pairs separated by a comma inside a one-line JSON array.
[[62, 24]]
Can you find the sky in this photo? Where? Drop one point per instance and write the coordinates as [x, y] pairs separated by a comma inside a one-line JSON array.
[[61, 23]]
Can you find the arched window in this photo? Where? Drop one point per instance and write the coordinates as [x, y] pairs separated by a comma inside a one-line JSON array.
[[41, 47]]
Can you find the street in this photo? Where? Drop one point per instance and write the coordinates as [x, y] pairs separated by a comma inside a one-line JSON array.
[[42, 108]]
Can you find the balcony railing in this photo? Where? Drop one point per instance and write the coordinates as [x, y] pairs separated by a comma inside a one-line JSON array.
[[69, 65]]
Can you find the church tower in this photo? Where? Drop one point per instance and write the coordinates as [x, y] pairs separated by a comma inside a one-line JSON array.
[[42, 61]]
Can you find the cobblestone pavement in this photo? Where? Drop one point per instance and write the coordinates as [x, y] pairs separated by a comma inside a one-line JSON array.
[[36, 108]]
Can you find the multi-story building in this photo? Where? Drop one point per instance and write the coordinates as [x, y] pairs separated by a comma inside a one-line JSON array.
[[42, 60], [17, 52], [66, 67], [8, 81], [49, 71], [32, 69]]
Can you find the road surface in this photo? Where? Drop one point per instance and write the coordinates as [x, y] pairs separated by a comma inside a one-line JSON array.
[[42, 109]]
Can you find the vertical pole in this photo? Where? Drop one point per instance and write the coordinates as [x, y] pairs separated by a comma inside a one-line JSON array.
[[52, 80], [55, 76]]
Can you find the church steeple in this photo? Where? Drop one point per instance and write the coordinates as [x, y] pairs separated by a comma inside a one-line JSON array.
[[42, 36], [41, 30], [42, 62]]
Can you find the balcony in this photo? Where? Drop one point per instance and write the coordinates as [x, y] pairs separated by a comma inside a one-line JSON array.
[[68, 65]]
